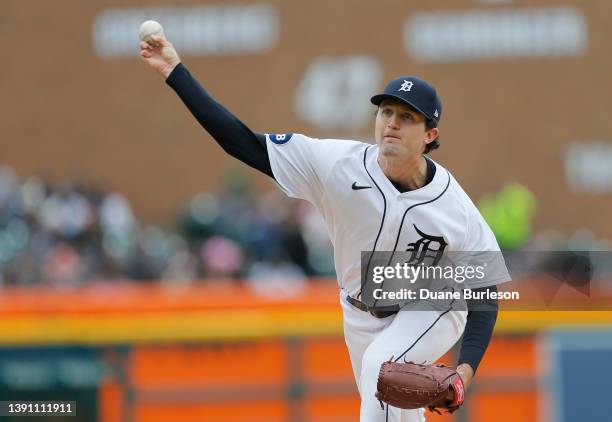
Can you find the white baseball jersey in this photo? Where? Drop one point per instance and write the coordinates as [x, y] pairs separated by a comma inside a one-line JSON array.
[[364, 211]]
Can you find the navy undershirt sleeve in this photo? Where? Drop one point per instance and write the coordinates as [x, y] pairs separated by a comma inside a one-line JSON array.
[[226, 129], [482, 315]]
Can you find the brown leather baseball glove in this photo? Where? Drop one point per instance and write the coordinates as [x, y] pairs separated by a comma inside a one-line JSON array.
[[412, 386]]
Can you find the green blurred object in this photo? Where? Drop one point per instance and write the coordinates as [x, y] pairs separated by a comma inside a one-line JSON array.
[[509, 213]]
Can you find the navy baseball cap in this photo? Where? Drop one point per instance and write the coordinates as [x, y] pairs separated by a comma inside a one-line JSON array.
[[415, 92]]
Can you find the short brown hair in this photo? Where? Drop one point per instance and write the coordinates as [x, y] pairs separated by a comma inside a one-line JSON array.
[[435, 144]]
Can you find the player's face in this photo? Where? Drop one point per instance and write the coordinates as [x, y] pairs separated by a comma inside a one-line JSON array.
[[400, 130]]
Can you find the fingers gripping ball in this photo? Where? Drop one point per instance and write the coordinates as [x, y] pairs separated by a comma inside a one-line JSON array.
[[412, 386], [148, 28]]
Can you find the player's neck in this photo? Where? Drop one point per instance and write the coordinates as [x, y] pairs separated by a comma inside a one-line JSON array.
[[408, 174]]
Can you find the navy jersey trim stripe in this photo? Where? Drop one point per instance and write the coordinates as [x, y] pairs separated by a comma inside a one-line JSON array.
[[424, 332], [382, 221]]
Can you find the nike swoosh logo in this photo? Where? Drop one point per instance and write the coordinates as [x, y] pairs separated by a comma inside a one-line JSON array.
[[355, 187]]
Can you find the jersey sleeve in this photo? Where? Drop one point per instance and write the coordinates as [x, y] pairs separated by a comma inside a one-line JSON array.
[[301, 165], [480, 249]]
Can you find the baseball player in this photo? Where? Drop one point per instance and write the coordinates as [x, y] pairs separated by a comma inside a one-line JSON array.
[[380, 197]]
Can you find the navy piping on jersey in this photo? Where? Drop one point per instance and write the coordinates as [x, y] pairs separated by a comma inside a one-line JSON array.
[[382, 221], [415, 343], [425, 332], [399, 232]]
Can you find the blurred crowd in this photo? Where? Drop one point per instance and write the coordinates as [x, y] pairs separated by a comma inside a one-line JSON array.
[[68, 233]]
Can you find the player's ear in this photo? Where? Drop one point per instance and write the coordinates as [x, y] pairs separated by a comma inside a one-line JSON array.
[[431, 135]]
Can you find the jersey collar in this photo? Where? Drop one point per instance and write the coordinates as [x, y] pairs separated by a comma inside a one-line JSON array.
[[424, 193]]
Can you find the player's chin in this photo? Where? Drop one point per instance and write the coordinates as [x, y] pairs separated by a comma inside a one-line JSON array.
[[390, 149]]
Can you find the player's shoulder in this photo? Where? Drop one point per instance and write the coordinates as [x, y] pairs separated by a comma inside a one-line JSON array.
[[299, 140], [285, 138], [477, 234], [455, 192]]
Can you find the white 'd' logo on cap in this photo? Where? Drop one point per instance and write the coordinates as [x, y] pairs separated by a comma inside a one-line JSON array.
[[406, 86], [436, 114]]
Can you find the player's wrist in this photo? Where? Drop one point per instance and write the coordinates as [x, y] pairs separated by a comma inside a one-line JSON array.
[[466, 372], [167, 70]]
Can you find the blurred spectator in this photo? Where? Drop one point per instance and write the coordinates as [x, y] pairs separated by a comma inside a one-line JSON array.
[[66, 212], [62, 266], [277, 278], [221, 257]]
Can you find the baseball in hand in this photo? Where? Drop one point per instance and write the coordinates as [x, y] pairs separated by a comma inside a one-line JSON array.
[[149, 28]]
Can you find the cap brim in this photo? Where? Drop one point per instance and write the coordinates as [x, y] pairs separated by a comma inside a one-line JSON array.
[[377, 99]]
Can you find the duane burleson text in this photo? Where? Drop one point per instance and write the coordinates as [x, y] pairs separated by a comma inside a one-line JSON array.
[[406, 294]]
